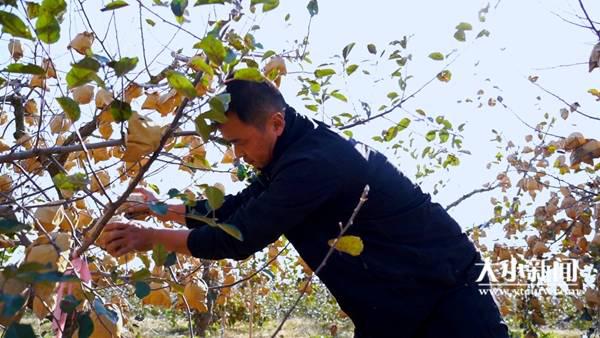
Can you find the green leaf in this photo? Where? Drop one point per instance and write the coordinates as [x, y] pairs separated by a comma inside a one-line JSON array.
[[159, 254], [178, 7], [219, 105], [47, 28], [339, 96], [181, 84], [14, 26], [214, 115], [202, 128], [25, 69], [141, 274], [154, 187], [142, 289], [69, 303], [16, 330], [403, 124], [88, 63], [213, 48], [120, 110], [371, 48], [86, 325], [484, 32], [202, 65], [313, 7], [249, 74], [73, 182], [150, 22], [390, 134], [231, 230], [319, 73], [267, 4], [78, 76], [436, 56], [70, 107], [351, 69], [33, 9], [460, 35], [124, 65], [443, 135], [312, 107], [54, 7], [464, 26], [10, 226], [209, 2], [430, 136], [171, 259], [346, 51], [214, 196], [173, 193], [114, 5]]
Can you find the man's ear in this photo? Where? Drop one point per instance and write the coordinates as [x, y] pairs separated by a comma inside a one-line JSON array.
[[278, 121]]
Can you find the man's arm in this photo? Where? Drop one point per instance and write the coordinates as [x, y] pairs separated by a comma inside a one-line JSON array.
[[300, 189], [230, 205]]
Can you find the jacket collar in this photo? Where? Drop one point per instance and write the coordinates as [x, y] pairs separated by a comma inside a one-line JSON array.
[[296, 126]]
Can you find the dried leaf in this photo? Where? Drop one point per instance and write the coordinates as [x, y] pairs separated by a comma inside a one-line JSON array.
[[594, 57], [143, 137], [83, 94], [82, 43], [15, 49]]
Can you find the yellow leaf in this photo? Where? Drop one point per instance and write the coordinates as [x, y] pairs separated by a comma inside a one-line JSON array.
[[50, 216], [133, 91], [151, 101], [103, 98], [49, 67], [38, 81], [228, 157], [59, 124], [15, 49], [351, 245], [143, 137], [195, 294], [104, 180], [5, 183], [159, 296], [82, 42], [83, 94]]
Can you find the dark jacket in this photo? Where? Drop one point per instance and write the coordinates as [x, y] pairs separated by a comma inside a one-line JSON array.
[[412, 247]]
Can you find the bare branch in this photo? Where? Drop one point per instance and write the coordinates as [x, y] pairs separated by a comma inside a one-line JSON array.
[[465, 196], [362, 200], [589, 19]]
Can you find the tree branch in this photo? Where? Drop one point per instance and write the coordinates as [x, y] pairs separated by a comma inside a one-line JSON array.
[[464, 197], [362, 200]]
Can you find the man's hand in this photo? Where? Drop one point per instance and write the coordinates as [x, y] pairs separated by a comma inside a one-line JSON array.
[[124, 237], [138, 207]]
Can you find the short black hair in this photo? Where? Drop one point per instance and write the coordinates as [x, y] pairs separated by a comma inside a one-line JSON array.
[[253, 102]]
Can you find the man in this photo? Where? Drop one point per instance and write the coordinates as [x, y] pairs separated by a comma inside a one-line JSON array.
[[414, 278]]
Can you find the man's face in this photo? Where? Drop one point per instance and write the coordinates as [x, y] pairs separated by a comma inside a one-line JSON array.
[[253, 144]]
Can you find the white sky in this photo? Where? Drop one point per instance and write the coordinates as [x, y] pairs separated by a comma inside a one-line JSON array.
[[525, 35]]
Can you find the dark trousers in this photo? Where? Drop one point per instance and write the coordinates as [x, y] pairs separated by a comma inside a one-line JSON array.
[[462, 311]]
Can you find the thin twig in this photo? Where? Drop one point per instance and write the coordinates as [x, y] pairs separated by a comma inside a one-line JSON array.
[[589, 19], [362, 200], [464, 197]]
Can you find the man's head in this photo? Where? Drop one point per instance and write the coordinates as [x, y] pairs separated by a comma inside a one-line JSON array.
[[255, 119]]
